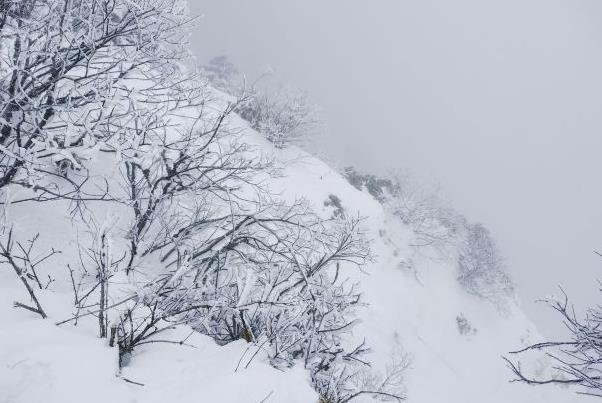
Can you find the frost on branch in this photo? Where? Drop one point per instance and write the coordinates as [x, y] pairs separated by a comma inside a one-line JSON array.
[[575, 356], [24, 260], [345, 383], [63, 69]]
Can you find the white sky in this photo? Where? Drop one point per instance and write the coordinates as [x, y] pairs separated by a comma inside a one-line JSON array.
[[500, 101]]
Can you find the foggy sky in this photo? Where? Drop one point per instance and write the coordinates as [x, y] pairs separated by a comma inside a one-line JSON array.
[[499, 101]]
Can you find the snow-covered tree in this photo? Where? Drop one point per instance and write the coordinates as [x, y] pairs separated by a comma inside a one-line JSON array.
[[63, 64], [223, 75], [435, 225], [575, 357], [98, 110], [283, 118], [481, 268]]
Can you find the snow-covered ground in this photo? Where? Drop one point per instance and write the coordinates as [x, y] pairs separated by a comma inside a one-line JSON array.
[[41, 362], [415, 310], [413, 302]]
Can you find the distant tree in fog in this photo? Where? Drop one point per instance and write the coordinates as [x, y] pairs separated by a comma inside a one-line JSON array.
[[223, 74], [284, 117], [481, 267], [436, 226]]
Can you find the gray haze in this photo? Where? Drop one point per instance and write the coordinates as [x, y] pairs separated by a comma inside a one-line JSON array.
[[499, 101]]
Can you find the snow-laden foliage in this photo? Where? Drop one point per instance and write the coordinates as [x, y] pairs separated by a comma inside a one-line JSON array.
[[382, 189], [24, 261], [576, 357], [284, 117], [464, 326], [343, 383], [223, 75], [434, 224], [174, 224], [63, 66], [481, 269], [336, 204]]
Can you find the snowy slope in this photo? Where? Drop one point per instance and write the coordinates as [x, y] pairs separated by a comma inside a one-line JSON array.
[[409, 311], [41, 362], [416, 310]]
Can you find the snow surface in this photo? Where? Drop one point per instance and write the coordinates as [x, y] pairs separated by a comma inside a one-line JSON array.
[[41, 362], [412, 302], [415, 310]]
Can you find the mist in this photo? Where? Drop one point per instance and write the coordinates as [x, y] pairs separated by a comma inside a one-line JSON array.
[[499, 102]]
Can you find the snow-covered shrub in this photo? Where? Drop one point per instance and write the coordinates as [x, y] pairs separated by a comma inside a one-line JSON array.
[[437, 226], [382, 189], [340, 384], [24, 259], [573, 357], [108, 120], [208, 247], [434, 224], [464, 326], [223, 75], [335, 202], [283, 118], [481, 267], [234, 267], [63, 66]]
